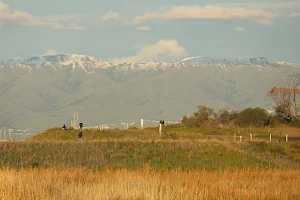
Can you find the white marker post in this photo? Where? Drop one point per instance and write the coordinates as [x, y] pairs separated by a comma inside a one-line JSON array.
[[286, 138], [160, 128], [270, 137], [142, 123], [241, 138], [250, 136]]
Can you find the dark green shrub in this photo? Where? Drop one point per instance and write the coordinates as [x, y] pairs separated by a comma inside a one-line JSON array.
[[252, 117]]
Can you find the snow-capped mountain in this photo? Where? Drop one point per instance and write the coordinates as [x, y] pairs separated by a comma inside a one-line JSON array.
[[87, 63], [42, 92], [260, 61], [90, 64]]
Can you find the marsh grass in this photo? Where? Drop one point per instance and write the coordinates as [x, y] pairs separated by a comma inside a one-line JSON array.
[[77, 184], [159, 155]]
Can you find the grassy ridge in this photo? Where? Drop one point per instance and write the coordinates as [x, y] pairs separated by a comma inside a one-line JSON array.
[[160, 155], [176, 132]]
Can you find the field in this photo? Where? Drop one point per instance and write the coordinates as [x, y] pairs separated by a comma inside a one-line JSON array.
[[77, 184], [183, 163]]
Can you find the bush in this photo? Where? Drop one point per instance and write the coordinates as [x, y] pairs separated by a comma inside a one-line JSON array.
[[295, 123], [226, 115], [189, 121], [252, 117], [203, 115]]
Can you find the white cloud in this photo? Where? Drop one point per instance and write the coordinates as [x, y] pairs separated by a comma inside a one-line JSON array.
[[163, 50], [209, 12], [49, 52], [8, 16], [278, 6], [18, 17], [295, 15], [240, 29], [76, 27], [111, 16], [144, 28]]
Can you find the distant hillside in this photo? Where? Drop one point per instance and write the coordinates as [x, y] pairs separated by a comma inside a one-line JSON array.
[[43, 92]]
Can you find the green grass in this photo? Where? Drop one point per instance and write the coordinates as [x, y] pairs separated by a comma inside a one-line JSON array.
[[175, 132], [179, 148], [129, 155]]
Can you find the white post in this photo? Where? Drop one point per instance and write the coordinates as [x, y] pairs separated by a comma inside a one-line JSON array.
[[286, 138], [160, 128], [270, 137], [142, 123], [241, 138], [250, 136]]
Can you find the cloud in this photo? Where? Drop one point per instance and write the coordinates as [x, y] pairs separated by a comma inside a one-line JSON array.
[[144, 28], [264, 5], [18, 17], [209, 12], [111, 16], [76, 27], [240, 29], [295, 15], [163, 50], [8, 16], [49, 52]]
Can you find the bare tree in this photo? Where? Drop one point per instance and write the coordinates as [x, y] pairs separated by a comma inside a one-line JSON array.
[[294, 83], [287, 99]]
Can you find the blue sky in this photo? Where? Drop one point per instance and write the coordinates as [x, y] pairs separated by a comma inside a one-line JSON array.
[[138, 30]]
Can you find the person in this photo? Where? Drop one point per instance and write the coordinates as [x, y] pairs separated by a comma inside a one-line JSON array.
[[81, 125], [80, 137], [64, 127]]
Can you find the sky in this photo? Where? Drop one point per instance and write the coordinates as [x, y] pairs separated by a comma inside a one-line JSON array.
[[156, 30]]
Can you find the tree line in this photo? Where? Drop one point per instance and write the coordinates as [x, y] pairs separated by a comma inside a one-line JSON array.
[[287, 110]]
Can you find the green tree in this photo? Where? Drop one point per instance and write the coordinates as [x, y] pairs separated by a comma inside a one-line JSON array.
[[252, 117], [226, 115]]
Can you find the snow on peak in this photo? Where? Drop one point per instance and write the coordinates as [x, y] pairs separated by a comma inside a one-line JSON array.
[[88, 63], [261, 61]]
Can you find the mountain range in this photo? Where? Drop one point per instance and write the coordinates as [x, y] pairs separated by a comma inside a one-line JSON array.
[[42, 92]]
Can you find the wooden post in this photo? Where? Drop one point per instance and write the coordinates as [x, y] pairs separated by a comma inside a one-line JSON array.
[[160, 128], [234, 137], [250, 136], [270, 137], [286, 138]]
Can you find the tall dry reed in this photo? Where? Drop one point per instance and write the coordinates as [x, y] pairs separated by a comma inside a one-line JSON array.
[[77, 184]]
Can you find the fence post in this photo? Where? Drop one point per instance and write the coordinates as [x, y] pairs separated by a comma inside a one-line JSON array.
[[270, 137], [160, 127], [142, 123], [286, 138], [250, 136], [241, 138], [234, 137]]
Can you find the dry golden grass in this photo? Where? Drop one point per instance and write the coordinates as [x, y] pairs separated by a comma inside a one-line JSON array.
[[78, 184]]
